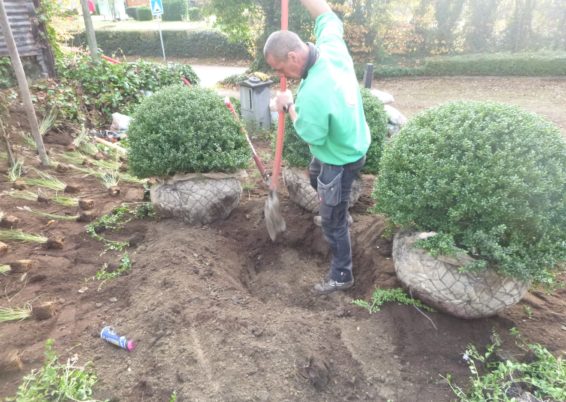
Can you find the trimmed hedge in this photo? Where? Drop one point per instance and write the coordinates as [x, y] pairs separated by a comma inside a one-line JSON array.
[[184, 129], [489, 178], [198, 44], [143, 14], [175, 10], [496, 64], [296, 152]]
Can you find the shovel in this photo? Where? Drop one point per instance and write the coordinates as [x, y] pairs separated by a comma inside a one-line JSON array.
[[273, 219]]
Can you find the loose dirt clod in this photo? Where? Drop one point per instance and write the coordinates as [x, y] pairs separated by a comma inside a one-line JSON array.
[[44, 311], [62, 168], [10, 361], [72, 189], [10, 222], [19, 185], [3, 248], [43, 199], [55, 243], [21, 266], [86, 216], [114, 191], [71, 147], [86, 204]]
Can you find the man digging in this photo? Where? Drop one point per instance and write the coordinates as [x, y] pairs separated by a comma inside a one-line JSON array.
[[327, 114]]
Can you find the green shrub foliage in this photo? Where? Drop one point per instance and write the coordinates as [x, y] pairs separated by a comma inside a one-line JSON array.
[[106, 88], [175, 10], [143, 14], [377, 122], [184, 129], [490, 178], [296, 151], [178, 43]]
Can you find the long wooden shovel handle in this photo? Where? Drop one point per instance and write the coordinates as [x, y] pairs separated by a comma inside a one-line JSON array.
[[281, 120], [255, 156]]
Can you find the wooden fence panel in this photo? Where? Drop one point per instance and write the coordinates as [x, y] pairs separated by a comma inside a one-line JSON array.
[[26, 30]]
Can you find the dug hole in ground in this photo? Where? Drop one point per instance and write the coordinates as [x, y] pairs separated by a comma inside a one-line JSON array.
[[221, 313]]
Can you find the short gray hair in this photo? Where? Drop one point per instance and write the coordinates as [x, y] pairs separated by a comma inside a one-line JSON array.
[[280, 43]]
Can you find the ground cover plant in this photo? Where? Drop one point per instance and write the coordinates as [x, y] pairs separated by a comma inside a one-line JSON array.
[[185, 130], [382, 296], [296, 151], [488, 178], [57, 381], [106, 88], [539, 373]]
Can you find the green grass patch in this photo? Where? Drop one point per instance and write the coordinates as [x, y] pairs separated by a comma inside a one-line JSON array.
[[51, 216], [15, 314], [45, 180], [18, 235]]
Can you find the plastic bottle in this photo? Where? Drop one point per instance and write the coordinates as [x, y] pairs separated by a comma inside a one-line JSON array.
[[109, 335]]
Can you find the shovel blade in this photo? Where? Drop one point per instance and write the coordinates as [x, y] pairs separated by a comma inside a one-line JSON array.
[[273, 218]]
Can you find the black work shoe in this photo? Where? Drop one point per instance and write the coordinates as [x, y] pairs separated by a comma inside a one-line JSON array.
[[330, 285], [318, 220]]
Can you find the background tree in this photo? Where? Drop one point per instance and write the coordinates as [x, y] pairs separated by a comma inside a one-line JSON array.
[[447, 13], [519, 30], [480, 23]]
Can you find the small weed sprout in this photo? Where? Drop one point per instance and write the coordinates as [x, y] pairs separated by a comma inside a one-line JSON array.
[[5, 269], [382, 296], [110, 178], [47, 122], [15, 171]]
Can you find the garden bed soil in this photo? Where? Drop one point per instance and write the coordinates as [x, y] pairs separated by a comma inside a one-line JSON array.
[[221, 313]]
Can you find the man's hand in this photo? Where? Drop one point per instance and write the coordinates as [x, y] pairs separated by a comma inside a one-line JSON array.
[[316, 7], [281, 102]]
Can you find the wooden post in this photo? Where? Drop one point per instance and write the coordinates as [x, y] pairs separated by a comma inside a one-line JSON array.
[[89, 30], [22, 84]]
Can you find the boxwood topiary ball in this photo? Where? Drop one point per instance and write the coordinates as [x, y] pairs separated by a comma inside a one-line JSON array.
[[489, 178], [184, 129], [297, 154]]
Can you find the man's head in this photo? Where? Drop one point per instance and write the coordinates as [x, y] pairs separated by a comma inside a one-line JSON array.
[[286, 53]]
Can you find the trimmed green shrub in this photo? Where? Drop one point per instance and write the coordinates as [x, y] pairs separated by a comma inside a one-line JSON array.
[[377, 123], [184, 129], [143, 14], [489, 178], [106, 88], [195, 14], [131, 12], [175, 10], [296, 152], [178, 43]]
